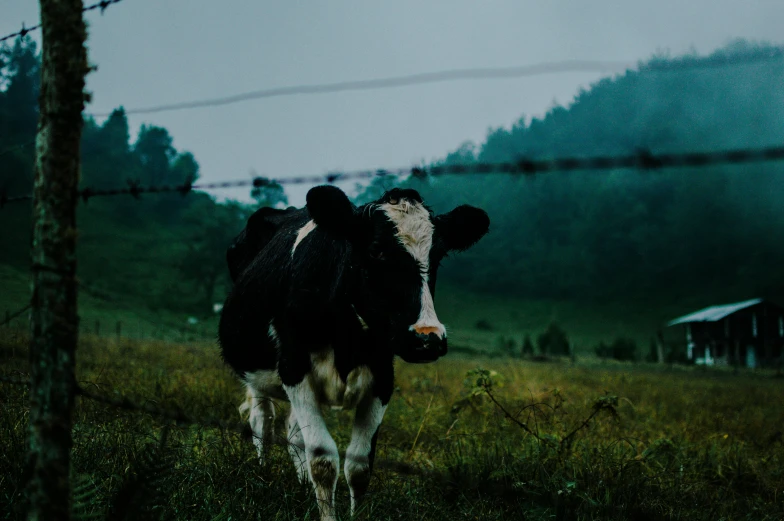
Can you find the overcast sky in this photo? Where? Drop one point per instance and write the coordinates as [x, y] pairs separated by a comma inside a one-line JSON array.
[[151, 52]]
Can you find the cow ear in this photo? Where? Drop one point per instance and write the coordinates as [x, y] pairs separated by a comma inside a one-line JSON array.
[[331, 210], [462, 227]]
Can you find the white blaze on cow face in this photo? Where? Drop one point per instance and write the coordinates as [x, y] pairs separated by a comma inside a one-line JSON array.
[[415, 233]]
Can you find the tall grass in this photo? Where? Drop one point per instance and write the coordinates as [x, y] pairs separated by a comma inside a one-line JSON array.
[[512, 440]]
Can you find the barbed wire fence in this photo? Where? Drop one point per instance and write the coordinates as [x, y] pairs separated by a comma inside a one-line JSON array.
[[641, 160], [24, 31]]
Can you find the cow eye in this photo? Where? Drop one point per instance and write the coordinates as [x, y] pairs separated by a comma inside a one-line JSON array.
[[377, 255]]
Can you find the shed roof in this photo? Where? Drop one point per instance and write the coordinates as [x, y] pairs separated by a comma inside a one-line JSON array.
[[714, 313]]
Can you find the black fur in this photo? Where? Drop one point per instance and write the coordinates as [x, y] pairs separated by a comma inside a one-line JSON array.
[[351, 263]]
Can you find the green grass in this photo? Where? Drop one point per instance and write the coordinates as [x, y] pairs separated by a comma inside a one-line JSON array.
[[101, 311], [685, 443], [586, 324]]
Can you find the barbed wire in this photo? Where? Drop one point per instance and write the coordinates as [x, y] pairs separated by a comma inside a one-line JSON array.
[[20, 146], [102, 5], [14, 315], [180, 417], [643, 160], [125, 403], [461, 74]]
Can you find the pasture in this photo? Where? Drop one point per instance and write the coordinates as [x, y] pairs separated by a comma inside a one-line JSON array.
[[514, 440]]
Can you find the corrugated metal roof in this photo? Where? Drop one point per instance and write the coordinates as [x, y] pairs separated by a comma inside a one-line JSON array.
[[714, 313]]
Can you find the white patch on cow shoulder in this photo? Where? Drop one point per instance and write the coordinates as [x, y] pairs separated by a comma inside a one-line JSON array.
[[273, 335], [415, 233], [302, 233], [330, 388], [365, 327]]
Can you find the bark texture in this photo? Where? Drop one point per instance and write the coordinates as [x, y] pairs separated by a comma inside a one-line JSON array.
[[54, 320]]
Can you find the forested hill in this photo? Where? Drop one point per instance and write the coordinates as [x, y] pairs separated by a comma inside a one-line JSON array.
[[708, 234], [163, 251], [698, 234]]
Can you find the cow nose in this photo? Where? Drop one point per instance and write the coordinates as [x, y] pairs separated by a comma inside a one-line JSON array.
[[426, 331], [433, 342]]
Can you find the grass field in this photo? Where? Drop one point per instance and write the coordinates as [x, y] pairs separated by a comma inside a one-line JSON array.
[[586, 323], [661, 443]]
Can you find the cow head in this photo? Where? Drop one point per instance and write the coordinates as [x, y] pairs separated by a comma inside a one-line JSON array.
[[397, 245]]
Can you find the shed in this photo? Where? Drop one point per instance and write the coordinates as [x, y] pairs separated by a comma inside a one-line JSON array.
[[748, 333]]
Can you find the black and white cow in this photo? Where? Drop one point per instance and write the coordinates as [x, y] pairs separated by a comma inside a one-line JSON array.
[[324, 298]]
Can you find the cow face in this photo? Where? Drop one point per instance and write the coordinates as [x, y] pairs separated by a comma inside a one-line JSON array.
[[397, 247]]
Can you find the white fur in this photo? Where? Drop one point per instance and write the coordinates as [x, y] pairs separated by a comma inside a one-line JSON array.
[[273, 335], [321, 451], [369, 415], [414, 229], [302, 233], [307, 431], [329, 387], [427, 313], [365, 327], [296, 447], [265, 383], [415, 233]]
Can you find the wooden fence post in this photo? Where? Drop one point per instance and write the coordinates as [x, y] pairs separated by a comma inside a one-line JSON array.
[[54, 323]]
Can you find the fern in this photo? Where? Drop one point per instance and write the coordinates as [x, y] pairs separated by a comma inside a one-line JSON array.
[[142, 490], [84, 497]]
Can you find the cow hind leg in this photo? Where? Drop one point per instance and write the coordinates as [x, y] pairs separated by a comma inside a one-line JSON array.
[[296, 447], [261, 417], [362, 449]]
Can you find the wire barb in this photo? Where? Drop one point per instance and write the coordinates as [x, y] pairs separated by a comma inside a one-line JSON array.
[[102, 5], [15, 314], [642, 159]]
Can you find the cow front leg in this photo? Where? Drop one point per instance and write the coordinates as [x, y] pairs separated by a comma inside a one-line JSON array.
[[362, 450], [296, 447], [321, 452]]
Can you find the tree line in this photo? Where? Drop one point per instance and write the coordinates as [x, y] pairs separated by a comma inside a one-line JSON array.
[[641, 237], [694, 233], [164, 250]]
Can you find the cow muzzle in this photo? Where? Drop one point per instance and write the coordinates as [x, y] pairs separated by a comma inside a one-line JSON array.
[[427, 346]]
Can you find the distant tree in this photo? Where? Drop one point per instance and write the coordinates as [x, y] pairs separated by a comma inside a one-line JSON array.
[[21, 77], [20, 72], [270, 194], [653, 352], [622, 349], [374, 190], [184, 169], [203, 261], [528, 347], [553, 341], [155, 152]]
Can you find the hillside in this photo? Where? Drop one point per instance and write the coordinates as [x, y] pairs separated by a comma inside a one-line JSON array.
[[665, 236], [602, 254]]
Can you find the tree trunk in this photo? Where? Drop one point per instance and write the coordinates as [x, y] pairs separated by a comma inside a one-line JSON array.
[[54, 321]]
